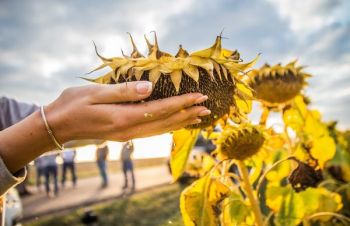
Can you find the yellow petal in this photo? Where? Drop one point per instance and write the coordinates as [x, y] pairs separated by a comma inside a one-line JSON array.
[[135, 53], [104, 60], [192, 71], [217, 69], [138, 74], [147, 67], [206, 64], [154, 75], [173, 64], [124, 69], [105, 79], [176, 79], [182, 52], [224, 71], [213, 52], [234, 68]]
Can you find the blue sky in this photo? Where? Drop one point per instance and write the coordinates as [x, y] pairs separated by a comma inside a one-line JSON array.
[[45, 45]]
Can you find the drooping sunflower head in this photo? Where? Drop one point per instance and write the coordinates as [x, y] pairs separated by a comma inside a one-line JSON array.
[[304, 176], [277, 84], [214, 72], [240, 142]]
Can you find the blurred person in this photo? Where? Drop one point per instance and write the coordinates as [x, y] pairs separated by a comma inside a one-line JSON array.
[[68, 157], [87, 112], [50, 172], [127, 164], [101, 158], [40, 171]]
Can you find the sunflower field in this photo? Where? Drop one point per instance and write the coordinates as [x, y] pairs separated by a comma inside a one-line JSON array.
[[299, 175]]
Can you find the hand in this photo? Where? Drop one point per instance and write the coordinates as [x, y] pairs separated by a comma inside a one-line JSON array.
[[101, 112]]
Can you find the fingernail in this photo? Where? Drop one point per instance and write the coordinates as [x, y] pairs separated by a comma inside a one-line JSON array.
[[204, 112], [196, 121], [201, 99], [143, 87]]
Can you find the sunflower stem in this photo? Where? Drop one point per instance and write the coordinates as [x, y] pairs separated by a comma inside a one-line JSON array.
[[264, 116], [223, 172], [223, 180], [249, 192], [263, 176], [290, 146]]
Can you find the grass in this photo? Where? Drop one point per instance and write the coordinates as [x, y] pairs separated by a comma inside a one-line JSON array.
[[156, 207]]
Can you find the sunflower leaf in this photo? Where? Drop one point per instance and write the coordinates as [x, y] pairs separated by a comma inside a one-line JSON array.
[[184, 141]]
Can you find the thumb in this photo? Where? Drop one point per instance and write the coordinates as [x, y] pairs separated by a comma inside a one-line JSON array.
[[123, 92]]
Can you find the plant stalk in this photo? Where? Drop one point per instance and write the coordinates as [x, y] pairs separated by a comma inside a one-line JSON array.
[[290, 146], [264, 116], [249, 192]]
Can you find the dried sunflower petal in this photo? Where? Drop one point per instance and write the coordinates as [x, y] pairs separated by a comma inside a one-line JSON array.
[[212, 72]]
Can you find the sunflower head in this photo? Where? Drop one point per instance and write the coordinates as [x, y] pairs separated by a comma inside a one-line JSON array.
[[274, 85], [304, 176], [214, 72], [240, 142]]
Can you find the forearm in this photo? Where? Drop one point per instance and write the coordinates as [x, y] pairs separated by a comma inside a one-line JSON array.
[[24, 141], [93, 112]]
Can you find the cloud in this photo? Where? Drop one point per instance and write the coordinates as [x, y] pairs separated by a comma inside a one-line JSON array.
[[49, 44], [45, 45], [305, 17]]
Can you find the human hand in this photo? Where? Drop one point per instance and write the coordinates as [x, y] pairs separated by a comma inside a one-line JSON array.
[[101, 112]]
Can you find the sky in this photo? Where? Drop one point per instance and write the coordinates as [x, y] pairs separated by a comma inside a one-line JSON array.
[[46, 45]]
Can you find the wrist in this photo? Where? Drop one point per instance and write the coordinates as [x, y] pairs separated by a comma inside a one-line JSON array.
[[49, 130], [31, 140], [57, 122]]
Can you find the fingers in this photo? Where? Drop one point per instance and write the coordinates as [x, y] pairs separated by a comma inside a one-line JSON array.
[[175, 121], [118, 93], [160, 109]]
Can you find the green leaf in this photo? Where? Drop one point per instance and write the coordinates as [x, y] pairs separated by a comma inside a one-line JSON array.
[[286, 204], [291, 208], [236, 211], [279, 172], [320, 200], [199, 202], [184, 141], [289, 213]]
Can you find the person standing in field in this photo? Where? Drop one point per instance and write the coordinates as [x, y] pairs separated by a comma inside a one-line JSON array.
[[101, 157], [50, 171], [127, 164], [68, 157]]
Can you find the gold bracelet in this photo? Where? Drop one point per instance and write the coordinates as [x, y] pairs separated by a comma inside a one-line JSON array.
[[49, 131]]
